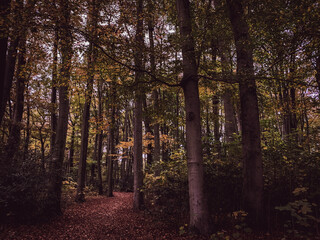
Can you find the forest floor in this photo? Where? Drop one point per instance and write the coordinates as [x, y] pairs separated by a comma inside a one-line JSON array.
[[103, 218], [97, 218]]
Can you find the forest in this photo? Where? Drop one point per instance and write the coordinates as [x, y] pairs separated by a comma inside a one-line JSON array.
[[200, 115]]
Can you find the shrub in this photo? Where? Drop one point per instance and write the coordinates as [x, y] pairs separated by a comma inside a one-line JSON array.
[[167, 193], [22, 190]]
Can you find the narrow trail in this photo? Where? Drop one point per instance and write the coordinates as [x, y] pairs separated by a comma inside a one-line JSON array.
[[98, 218]]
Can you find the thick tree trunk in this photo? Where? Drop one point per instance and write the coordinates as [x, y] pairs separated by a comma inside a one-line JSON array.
[[56, 161], [14, 136], [54, 91], [251, 146], [21, 76], [137, 164], [84, 145], [86, 109], [197, 202], [10, 62], [4, 29]]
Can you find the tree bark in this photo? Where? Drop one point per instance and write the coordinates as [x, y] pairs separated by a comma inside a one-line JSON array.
[[55, 165], [27, 129], [147, 122], [4, 29], [112, 144], [251, 146], [125, 160], [197, 202], [215, 105], [100, 138], [14, 136], [21, 76], [71, 147], [229, 109], [230, 117], [10, 62], [216, 124], [54, 91], [156, 149], [156, 129], [137, 164], [93, 13], [318, 71]]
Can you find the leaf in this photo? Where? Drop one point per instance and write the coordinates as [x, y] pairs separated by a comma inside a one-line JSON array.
[[298, 191]]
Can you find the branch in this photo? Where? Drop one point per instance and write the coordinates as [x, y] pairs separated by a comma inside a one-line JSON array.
[[130, 67]]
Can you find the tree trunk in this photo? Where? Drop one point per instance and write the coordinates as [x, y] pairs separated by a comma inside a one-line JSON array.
[[4, 29], [14, 136], [55, 165], [251, 146], [156, 129], [112, 145], [148, 130], [137, 164], [27, 129], [71, 147], [86, 109], [216, 124], [125, 159], [10, 62], [318, 71], [230, 117], [100, 139], [156, 149], [215, 105], [42, 142], [229, 109], [54, 91], [197, 202]]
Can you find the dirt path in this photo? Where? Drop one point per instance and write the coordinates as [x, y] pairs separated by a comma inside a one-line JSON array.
[[98, 218]]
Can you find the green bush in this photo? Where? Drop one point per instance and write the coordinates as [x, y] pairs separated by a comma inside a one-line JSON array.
[[167, 192]]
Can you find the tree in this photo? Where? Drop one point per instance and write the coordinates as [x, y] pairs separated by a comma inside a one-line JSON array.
[[10, 62], [14, 136], [98, 154], [156, 149], [189, 83], [251, 144], [112, 130], [4, 29], [54, 88], [137, 165], [56, 160], [92, 25]]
